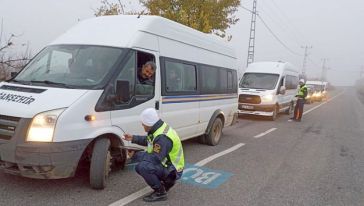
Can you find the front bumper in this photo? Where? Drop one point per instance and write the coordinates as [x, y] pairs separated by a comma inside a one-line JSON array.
[[252, 109], [37, 159]]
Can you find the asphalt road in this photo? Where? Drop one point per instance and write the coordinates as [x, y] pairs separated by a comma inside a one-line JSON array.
[[319, 161]]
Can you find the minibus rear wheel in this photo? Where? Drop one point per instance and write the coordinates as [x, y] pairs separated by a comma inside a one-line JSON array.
[[214, 135], [100, 163]]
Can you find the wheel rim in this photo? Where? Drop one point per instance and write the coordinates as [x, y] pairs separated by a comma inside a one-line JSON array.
[[107, 168], [217, 131]]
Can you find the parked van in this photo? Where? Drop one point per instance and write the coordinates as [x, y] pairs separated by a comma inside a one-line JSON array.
[[74, 101], [320, 89], [268, 88]]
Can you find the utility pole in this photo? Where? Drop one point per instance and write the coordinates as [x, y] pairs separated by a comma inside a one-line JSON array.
[[252, 34], [305, 59], [324, 69]]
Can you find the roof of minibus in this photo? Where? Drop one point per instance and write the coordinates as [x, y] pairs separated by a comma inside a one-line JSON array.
[[270, 67], [119, 31]]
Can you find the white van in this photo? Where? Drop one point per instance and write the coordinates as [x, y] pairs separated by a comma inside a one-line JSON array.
[[76, 98], [320, 89], [268, 88]]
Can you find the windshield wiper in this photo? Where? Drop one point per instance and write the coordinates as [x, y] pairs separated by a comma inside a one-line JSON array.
[[20, 82], [52, 83]]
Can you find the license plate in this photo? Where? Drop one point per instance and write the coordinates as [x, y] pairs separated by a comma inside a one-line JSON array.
[[246, 107]]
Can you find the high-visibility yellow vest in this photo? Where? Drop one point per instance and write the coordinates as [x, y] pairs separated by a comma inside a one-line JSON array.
[[301, 91], [176, 154]]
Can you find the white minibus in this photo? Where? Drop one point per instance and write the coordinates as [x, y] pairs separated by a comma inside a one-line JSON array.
[[268, 88], [75, 99]]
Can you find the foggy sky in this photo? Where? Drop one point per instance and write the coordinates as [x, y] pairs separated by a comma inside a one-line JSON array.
[[332, 27]]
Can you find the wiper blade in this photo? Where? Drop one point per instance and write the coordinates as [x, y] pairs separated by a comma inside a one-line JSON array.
[[19, 81], [51, 83]]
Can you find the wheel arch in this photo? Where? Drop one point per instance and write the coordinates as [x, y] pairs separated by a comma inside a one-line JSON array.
[[217, 114]]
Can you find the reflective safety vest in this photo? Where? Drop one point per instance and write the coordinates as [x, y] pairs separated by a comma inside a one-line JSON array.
[[176, 154], [301, 91]]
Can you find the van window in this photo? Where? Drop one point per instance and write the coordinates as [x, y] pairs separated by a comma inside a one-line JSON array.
[[72, 65], [139, 92], [259, 81], [180, 77], [144, 85], [230, 80], [210, 80], [128, 74], [291, 82]]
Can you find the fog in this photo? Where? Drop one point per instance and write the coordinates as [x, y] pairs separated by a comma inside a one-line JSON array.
[[331, 27]]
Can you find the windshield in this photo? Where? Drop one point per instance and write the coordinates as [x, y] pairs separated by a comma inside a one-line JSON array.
[[70, 65], [259, 81], [316, 87]]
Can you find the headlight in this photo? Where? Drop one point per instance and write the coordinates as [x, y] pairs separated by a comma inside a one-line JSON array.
[[267, 98], [42, 127]]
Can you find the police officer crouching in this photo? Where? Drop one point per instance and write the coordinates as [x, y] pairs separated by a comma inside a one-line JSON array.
[[163, 162]]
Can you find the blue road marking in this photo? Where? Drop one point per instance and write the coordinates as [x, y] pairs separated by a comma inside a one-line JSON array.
[[204, 177], [199, 176]]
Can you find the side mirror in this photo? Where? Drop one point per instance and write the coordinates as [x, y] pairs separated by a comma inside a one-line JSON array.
[[122, 90], [282, 90]]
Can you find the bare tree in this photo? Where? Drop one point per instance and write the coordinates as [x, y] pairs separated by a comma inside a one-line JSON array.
[[11, 62]]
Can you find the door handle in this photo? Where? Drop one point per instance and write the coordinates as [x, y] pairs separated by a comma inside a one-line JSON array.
[[156, 105]]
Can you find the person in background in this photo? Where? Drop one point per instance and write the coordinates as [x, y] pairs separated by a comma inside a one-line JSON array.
[[301, 95]]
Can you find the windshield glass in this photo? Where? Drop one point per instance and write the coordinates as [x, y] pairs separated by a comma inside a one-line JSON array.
[[70, 65], [316, 87], [259, 81]]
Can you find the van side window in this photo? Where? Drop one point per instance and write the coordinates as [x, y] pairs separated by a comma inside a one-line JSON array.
[[291, 82], [210, 80], [139, 91], [128, 74], [230, 80], [281, 83], [180, 77], [146, 72]]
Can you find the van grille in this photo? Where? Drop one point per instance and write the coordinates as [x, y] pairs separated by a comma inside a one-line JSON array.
[[8, 125], [250, 99]]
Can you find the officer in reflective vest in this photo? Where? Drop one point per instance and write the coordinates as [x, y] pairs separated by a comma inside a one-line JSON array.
[[301, 95], [163, 162]]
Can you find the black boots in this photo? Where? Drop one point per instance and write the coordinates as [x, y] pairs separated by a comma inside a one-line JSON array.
[[159, 194]]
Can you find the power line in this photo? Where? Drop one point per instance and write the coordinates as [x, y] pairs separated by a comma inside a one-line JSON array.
[[270, 30], [270, 15], [288, 21], [246, 9], [276, 37]]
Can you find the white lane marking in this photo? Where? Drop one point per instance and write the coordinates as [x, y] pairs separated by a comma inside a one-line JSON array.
[[146, 190], [209, 159], [265, 133], [329, 100]]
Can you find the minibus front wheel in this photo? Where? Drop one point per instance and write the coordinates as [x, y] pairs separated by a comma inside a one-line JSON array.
[[100, 166]]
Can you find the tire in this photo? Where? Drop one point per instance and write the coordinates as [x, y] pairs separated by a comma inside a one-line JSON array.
[[202, 139], [100, 163], [289, 111], [275, 113], [214, 135]]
